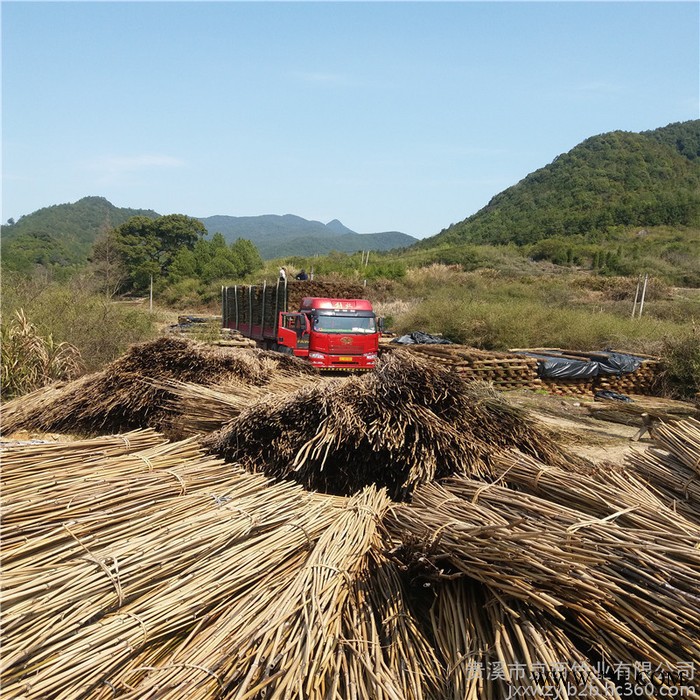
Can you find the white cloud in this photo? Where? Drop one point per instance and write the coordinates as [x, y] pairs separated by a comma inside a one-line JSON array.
[[121, 170]]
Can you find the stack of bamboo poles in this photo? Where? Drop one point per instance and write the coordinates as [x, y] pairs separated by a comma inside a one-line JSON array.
[[127, 395], [408, 422], [569, 387], [204, 582], [516, 370], [198, 409], [124, 554], [497, 650], [209, 328], [504, 370], [557, 581], [138, 568], [644, 380], [339, 289], [633, 412], [234, 339]]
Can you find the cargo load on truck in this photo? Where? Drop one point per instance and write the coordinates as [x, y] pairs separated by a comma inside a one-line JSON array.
[[317, 321]]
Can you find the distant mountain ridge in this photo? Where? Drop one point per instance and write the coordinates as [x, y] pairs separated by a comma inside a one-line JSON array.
[[606, 184], [288, 235], [63, 234]]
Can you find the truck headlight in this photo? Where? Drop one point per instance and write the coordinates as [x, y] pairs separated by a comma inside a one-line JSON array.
[[371, 355], [316, 356]]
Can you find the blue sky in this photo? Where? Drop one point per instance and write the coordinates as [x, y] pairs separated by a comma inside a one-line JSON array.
[[401, 116]]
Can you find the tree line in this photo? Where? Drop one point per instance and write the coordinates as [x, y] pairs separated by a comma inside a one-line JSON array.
[[165, 251]]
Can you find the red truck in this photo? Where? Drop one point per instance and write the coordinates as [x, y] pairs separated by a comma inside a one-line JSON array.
[[331, 333]]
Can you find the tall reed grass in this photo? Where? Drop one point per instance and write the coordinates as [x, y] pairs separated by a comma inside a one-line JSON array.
[[99, 327], [30, 361]]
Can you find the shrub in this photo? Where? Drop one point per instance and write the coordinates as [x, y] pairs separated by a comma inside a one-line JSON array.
[[681, 355], [509, 316]]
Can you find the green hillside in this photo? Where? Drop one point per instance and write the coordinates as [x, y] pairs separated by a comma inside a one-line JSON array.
[[61, 235], [600, 187], [619, 203]]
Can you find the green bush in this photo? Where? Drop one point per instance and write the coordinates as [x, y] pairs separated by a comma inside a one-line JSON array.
[[681, 356]]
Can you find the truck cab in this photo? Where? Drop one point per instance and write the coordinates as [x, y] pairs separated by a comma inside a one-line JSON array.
[[339, 334]]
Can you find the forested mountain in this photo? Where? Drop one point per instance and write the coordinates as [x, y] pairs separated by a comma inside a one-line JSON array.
[[608, 182], [345, 243], [278, 236], [589, 204], [63, 234]]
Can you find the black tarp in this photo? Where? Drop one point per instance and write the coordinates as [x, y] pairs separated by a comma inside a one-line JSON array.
[[551, 367], [557, 367], [618, 363], [613, 396]]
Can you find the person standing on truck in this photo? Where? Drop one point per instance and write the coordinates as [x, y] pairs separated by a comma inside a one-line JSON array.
[[283, 274], [302, 275]]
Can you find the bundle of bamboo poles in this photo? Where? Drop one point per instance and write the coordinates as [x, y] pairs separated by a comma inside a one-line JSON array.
[[126, 395], [139, 568], [606, 491], [622, 591], [634, 412], [336, 289], [198, 409], [222, 586], [408, 422], [495, 650], [674, 472], [140, 547], [234, 339]]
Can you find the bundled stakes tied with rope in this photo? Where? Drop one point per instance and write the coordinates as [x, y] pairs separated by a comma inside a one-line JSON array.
[[401, 535]]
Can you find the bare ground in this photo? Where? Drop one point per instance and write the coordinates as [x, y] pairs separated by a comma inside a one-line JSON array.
[[592, 438]]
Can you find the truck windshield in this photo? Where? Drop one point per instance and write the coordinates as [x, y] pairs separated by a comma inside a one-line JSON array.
[[345, 324]]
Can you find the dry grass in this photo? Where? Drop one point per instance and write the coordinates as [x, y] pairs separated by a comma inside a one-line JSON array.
[[30, 361]]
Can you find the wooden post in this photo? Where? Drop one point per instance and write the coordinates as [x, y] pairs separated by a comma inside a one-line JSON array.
[[636, 295], [644, 291]]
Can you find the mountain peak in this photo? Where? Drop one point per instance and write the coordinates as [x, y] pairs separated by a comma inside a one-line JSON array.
[[337, 227]]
